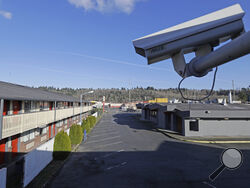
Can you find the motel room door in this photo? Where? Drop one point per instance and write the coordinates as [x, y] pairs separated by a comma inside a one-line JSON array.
[[50, 105], [179, 124], [14, 144], [16, 107], [167, 120], [50, 131], [2, 150], [6, 107]]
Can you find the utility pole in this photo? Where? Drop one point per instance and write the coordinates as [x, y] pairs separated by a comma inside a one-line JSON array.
[[233, 90], [129, 95], [103, 103], [81, 110]]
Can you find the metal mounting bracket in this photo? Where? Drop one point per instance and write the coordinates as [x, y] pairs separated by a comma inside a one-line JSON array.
[[179, 63]]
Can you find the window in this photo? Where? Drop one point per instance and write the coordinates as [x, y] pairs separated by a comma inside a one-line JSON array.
[[34, 106], [25, 137], [59, 105], [65, 122], [44, 130], [59, 123], [41, 105], [28, 135], [32, 134], [9, 142], [31, 106], [27, 106], [153, 113], [194, 125], [37, 131]]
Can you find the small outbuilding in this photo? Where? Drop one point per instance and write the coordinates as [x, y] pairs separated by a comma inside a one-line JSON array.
[[200, 119]]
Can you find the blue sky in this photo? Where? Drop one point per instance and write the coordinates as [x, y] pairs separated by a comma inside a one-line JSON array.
[[88, 43]]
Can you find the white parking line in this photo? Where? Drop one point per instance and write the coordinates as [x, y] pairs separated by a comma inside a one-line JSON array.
[[116, 166], [104, 129], [109, 138], [104, 134], [109, 154], [206, 183], [111, 144]]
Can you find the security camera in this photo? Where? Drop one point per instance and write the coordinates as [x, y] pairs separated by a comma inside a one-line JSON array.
[[199, 35]]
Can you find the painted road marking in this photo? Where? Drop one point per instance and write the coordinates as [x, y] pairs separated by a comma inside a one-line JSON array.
[[104, 126], [116, 166], [110, 138], [105, 145], [109, 154], [104, 134], [104, 129], [206, 183]]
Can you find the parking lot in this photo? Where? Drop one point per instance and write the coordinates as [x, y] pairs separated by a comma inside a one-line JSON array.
[[122, 151]]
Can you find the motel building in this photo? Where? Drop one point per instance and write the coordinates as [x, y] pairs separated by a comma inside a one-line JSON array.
[[31, 117]]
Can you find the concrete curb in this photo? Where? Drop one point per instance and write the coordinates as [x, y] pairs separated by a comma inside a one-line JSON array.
[[205, 141]]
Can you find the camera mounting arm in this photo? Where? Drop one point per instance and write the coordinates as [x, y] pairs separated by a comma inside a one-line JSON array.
[[179, 62], [200, 66]]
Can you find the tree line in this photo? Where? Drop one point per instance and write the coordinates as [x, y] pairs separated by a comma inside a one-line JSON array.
[[123, 95]]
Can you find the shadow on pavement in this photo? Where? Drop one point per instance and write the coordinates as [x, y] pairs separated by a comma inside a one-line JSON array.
[[171, 165], [132, 120]]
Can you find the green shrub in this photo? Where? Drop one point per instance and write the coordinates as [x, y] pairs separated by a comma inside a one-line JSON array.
[[92, 120], [86, 126], [62, 146], [75, 134], [83, 122]]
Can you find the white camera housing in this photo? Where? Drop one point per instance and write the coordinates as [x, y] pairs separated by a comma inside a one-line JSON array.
[[199, 35]]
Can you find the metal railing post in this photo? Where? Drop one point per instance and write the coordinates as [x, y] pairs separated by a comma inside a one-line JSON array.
[[1, 117], [81, 109]]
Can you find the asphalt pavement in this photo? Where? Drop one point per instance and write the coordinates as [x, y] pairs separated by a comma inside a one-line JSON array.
[[121, 151]]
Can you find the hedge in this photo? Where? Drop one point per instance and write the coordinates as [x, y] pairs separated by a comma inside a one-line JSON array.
[[86, 125], [75, 134], [92, 120], [62, 146]]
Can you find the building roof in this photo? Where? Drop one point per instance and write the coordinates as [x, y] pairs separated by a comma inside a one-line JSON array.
[[199, 106], [205, 110], [11, 91]]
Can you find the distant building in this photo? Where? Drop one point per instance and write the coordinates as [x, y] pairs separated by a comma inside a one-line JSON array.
[[159, 100], [115, 105], [174, 101], [200, 119]]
